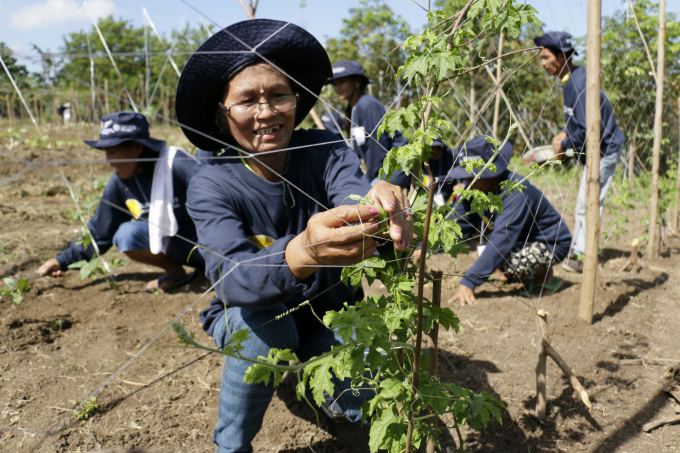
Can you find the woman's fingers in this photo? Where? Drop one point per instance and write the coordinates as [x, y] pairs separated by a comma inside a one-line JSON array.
[[392, 199], [345, 215]]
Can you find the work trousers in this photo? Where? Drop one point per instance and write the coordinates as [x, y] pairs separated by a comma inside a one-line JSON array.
[[242, 406], [607, 168]]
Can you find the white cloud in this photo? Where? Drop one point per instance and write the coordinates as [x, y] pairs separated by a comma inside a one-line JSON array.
[[53, 12]]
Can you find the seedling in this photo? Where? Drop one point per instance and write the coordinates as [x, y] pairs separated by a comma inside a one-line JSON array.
[[87, 410], [15, 289]]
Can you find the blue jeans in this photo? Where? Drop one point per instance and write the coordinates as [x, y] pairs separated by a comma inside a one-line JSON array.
[[135, 236], [607, 168], [242, 406]]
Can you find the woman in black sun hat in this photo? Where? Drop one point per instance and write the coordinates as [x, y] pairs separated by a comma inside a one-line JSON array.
[[273, 217]]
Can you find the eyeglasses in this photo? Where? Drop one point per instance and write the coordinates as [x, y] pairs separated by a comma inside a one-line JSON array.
[[279, 104]]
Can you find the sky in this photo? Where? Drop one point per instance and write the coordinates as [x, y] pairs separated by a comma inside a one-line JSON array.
[[44, 22]]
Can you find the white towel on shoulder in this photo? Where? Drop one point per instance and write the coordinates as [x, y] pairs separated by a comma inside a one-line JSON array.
[[162, 221]]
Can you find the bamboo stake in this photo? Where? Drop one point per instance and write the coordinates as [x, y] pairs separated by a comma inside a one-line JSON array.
[[514, 116], [317, 120], [550, 352], [677, 182], [497, 106], [419, 328], [432, 351], [654, 240], [633, 260], [106, 94], [10, 113], [632, 149], [541, 367], [593, 121]]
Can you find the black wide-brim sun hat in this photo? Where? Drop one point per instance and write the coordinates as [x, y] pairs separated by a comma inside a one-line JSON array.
[[480, 148], [292, 49]]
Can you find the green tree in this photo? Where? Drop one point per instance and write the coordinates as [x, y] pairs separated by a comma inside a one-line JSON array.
[[627, 76], [372, 35], [19, 72]]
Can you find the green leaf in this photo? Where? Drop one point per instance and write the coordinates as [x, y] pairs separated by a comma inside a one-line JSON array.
[[261, 372], [379, 438]]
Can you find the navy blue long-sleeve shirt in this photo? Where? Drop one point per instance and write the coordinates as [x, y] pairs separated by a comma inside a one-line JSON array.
[[132, 194], [611, 139], [250, 221], [367, 114], [527, 217]]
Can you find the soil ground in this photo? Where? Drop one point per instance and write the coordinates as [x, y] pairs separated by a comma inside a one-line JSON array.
[[69, 337]]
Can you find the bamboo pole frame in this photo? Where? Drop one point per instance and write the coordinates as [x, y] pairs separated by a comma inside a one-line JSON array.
[[593, 122], [654, 245]]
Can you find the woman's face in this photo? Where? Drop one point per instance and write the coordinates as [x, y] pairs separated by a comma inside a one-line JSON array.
[[128, 169], [267, 130], [347, 88]]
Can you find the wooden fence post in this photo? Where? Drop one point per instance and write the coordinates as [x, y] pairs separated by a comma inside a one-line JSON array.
[[593, 122], [677, 182], [497, 105], [654, 237]]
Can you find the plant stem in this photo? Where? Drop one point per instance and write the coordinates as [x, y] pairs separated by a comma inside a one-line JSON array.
[[421, 285]]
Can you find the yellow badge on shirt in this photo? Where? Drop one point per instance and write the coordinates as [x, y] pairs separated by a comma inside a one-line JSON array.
[[134, 207], [261, 240]]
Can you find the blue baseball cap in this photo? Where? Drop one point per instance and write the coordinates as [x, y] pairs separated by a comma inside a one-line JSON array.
[[480, 148], [348, 68], [330, 120], [556, 40], [120, 127], [229, 51]]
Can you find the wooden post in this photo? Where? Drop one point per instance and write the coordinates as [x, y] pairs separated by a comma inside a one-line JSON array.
[[633, 260], [10, 111], [550, 352], [106, 94], [654, 237], [677, 182], [632, 149], [432, 351], [593, 121], [541, 366], [497, 106], [472, 99]]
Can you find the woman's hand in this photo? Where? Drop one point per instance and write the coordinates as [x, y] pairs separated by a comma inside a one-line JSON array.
[[51, 268], [340, 237], [464, 295], [392, 200]]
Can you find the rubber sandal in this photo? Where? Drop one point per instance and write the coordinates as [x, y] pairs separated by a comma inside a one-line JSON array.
[[552, 287]]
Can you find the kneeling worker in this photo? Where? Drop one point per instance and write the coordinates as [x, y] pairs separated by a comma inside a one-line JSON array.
[[140, 212], [524, 241]]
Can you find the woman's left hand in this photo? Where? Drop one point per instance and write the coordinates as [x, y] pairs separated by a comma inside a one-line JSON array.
[[393, 201]]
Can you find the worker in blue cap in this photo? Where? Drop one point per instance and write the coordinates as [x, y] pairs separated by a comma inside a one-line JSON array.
[[143, 208], [524, 241], [441, 166], [365, 114], [556, 59]]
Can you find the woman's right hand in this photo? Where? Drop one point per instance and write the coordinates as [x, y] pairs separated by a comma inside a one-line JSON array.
[[331, 238], [51, 268]]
